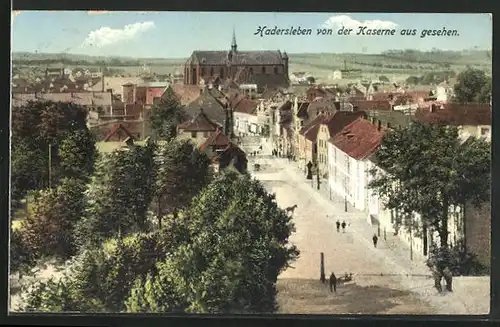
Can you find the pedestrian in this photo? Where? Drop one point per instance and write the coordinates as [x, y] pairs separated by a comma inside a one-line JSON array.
[[333, 283], [260, 147], [375, 240], [338, 226], [343, 226]]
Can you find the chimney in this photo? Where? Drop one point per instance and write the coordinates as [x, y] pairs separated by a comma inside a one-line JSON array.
[[379, 125]]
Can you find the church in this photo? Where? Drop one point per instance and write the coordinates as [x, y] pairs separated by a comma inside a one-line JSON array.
[[266, 69]]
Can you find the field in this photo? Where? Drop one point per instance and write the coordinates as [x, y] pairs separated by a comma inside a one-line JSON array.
[[393, 64]]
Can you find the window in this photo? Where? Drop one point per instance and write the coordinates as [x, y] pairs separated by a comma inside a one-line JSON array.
[[212, 71], [484, 131], [193, 135], [202, 71], [276, 70], [222, 73], [250, 70], [263, 70]]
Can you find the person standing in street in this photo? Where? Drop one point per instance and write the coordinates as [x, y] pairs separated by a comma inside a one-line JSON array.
[[333, 283], [338, 226], [343, 226], [375, 240]]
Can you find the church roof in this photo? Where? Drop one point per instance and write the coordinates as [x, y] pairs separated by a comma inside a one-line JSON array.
[[238, 58]]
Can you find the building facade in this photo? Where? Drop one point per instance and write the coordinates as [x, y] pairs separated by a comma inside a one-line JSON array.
[[264, 68]]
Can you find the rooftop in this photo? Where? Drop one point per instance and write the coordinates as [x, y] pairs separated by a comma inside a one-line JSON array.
[[81, 98], [359, 140]]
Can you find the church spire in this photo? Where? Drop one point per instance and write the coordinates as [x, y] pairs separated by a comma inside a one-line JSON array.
[[234, 46]]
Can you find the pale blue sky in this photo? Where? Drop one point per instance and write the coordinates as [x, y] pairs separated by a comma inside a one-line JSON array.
[[177, 34]]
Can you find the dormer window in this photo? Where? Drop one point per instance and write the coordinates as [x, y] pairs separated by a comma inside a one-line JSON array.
[[263, 70]]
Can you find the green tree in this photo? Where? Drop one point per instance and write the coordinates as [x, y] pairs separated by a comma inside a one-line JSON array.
[[48, 232], [472, 86], [29, 167], [78, 154], [166, 115], [100, 279], [413, 80], [383, 78], [182, 171], [427, 169], [236, 244], [119, 195]]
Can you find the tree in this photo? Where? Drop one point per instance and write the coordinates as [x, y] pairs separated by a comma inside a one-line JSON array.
[[166, 115], [29, 168], [383, 78], [119, 195], [100, 279], [78, 154], [48, 232], [236, 244], [426, 169], [472, 86], [413, 80], [182, 171], [36, 127]]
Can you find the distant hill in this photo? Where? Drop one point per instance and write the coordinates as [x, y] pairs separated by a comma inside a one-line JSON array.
[[321, 65]]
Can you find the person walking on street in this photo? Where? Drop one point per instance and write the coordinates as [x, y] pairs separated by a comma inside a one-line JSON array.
[[343, 226], [338, 226], [333, 283], [375, 240]]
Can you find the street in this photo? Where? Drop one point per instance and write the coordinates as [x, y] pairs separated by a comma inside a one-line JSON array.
[[385, 280]]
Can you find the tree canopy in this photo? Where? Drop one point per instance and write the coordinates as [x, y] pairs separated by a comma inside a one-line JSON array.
[[182, 171], [426, 169], [119, 195], [473, 85], [221, 254], [236, 244], [166, 115]]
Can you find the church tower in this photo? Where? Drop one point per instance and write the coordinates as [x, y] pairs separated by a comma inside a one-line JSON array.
[[234, 46]]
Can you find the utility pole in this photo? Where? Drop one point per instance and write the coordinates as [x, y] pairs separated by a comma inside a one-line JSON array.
[[317, 175], [50, 165], [411, 237]]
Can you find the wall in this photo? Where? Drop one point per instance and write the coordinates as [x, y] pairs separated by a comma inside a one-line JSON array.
[[322, 139], [478, 231], [244, 123]]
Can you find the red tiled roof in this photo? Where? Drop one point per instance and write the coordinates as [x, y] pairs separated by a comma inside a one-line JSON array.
[[240, 103], [457, 114], [186, 93], [217, 139], [335, 122], [154, 92], [200, 123], [359, 140], [115, 129], [372, 105]]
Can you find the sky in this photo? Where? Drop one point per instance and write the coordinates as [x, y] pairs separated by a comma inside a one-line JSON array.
[[177, 34]]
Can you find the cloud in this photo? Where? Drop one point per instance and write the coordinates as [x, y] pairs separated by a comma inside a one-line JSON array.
[[105, 36], [336, 22]]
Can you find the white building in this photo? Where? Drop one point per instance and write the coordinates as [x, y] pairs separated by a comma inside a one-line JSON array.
[[337, 74], [246, 120], [348, 153], [444, 93], [299, 77]]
